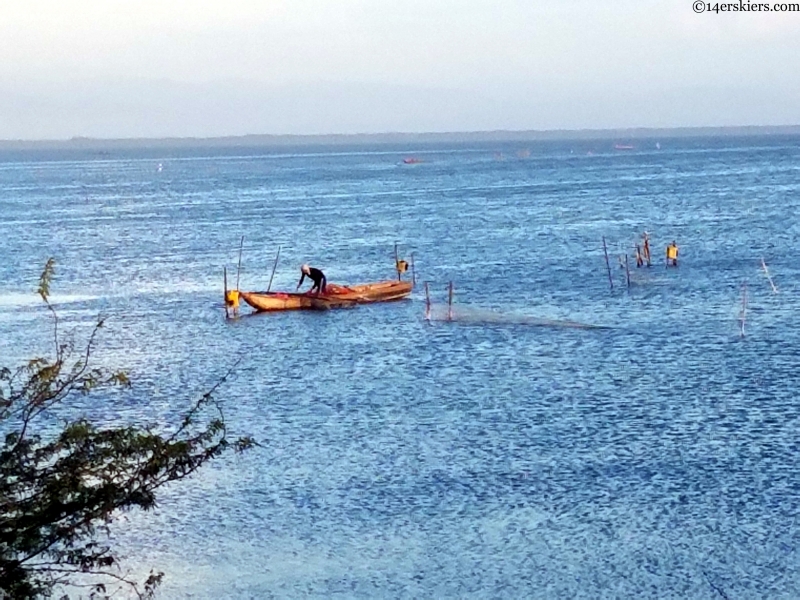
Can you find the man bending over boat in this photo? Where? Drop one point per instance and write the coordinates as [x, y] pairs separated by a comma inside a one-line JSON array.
[[315, 275]]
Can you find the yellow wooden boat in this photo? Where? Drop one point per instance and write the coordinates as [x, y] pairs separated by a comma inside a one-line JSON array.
[[335, 296]]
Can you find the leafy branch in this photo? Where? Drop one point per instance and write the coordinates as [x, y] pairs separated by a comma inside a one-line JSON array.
[[60, 492]]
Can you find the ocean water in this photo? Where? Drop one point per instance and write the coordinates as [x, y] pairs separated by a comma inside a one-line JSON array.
[[500, 455]]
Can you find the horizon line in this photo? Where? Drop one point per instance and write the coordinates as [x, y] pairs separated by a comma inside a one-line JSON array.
[[388, 136]]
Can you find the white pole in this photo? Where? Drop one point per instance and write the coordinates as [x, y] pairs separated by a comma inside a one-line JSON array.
[[766, 272]]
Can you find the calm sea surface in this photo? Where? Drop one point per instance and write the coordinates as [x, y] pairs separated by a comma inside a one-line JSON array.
[[654, 458]]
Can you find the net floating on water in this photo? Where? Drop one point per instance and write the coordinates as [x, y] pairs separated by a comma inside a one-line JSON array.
[[487, 316]]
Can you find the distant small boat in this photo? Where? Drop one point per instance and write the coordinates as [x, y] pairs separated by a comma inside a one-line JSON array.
[[412, 160], [623, 147]]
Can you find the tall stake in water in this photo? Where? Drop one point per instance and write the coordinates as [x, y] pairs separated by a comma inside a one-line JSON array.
[[450, 304], [275, 266], [225, 287], [628, 271], [766, 272], [239, 268], [427, 303], [744, 305], [608, 265]]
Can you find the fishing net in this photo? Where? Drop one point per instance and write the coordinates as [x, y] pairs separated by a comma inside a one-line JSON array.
[[467, 314]]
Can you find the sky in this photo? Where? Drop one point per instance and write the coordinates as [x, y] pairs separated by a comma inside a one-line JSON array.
[[203, 68]]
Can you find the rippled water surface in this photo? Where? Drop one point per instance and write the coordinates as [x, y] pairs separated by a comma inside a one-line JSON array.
[[503, 455]]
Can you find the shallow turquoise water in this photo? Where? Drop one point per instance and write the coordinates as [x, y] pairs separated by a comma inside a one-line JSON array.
[[654, 458]]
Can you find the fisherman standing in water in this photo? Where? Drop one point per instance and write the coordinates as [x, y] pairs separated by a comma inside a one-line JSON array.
[[646, 247], [315, 275], [639, 261], [672, 254]]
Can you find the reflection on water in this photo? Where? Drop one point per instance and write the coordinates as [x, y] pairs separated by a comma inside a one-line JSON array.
[[655, 457]]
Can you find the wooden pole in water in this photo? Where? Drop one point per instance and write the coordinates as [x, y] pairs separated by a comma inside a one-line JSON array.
[[608, 265], [275, 266], [239, 268], [225, 284], [396, 262], [628, 271], [450, 304], [744, 304], [427, 303], [764, 265], [413, 272]]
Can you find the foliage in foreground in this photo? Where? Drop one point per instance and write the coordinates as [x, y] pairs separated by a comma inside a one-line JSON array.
[[60, 488]]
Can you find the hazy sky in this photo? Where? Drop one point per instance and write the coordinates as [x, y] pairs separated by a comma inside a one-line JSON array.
[[142, 68]]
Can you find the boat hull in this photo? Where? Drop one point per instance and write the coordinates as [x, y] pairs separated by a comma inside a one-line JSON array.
[[335, 296]]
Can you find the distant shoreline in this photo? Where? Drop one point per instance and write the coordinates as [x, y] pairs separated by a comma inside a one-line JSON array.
[[269, 140]]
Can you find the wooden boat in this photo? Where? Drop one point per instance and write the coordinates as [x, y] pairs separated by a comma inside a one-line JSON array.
[[335, 296]]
